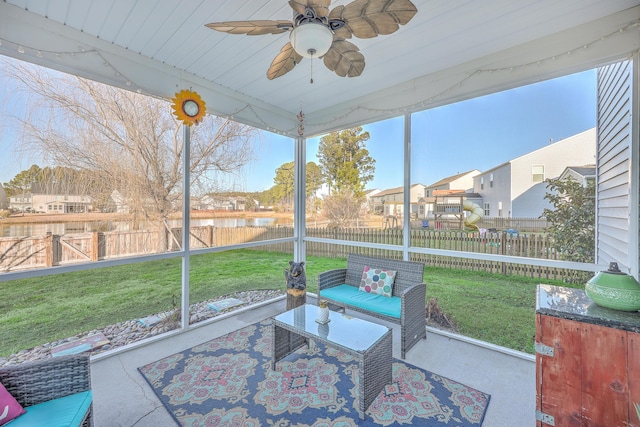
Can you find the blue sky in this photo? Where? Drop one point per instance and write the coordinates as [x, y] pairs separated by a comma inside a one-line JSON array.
[[476, 134]]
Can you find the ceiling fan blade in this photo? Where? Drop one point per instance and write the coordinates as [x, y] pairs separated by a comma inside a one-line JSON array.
[[252, 28], [283, 62], [343, 32], [370, 18], [298, 6], [321, 7], [344, 58]]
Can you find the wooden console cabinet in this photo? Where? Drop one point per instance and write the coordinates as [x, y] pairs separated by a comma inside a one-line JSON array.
[[587, 362]]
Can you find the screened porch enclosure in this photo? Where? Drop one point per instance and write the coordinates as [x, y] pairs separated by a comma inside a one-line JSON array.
[[152, 59]]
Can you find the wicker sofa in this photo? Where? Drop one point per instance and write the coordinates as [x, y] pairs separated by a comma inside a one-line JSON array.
[[408, 295], [58, 385]]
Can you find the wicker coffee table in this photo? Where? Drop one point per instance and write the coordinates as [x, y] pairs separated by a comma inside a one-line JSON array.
[[369, 343]]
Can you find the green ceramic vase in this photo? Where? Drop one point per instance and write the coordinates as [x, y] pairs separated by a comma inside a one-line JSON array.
[[614, 289]]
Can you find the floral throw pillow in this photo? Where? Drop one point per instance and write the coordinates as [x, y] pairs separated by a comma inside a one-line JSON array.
[[9, 407], [378, 281]]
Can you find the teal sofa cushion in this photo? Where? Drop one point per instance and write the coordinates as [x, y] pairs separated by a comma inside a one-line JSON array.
[[389, 306], [66, 411]]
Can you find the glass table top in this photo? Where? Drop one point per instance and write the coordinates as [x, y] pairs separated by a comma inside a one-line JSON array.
[[350, 332]]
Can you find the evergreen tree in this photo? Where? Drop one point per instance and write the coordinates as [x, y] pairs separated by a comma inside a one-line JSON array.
[[345, 161], [572, 219], [23, 181], [283, 189]]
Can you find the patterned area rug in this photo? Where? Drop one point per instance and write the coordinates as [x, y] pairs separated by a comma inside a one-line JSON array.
[[229, 382]]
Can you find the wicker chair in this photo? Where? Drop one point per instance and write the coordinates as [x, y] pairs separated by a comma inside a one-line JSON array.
[[32, 383], [408, 286]]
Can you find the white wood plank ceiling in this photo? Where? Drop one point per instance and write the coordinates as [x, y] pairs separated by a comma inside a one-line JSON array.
[[451, 50]]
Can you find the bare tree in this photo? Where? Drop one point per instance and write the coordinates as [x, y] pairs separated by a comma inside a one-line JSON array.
[[343, 208], [131, 140]]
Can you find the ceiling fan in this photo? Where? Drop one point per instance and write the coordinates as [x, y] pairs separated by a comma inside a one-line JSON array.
[[317, 32]]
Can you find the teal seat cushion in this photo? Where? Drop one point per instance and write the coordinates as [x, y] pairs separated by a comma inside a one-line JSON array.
[[389, 306], [66, 411]]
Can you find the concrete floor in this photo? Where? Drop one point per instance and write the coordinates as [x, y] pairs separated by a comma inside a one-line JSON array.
[[122, 398]]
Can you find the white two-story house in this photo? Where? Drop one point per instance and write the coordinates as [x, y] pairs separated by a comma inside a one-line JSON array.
[[517, 188]]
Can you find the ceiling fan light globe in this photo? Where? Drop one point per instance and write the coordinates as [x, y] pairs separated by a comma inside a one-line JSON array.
[[311, 39]]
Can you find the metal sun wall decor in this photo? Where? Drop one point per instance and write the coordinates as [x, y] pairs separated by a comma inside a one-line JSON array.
[[188, 107]]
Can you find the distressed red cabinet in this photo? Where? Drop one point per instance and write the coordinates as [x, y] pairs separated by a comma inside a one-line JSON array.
[[587, 362]]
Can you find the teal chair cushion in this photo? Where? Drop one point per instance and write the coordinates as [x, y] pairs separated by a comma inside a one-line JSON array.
[[66, 411], [389, 306]]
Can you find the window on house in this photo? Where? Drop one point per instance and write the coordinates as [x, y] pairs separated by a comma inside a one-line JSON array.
[[487, 209], [491, 180], [537, 173], [482, 182]]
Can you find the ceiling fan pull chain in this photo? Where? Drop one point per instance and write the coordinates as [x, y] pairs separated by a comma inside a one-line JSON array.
[[312, 52]]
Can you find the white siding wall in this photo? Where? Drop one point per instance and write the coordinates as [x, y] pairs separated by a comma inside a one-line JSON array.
[[464, 182], [614, 141], [527, 197], [499, 193]]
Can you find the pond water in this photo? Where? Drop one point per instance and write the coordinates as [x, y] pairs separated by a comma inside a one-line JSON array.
[[28, 230]]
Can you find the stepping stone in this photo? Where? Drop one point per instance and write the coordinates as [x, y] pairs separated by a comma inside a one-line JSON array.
[[149, 321], [79, 346], [225, 304]]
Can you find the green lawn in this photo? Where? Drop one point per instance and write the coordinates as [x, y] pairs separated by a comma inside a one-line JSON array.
[[494, 308], [490, 307]]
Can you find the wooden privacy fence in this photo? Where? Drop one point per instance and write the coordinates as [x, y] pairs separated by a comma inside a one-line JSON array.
[[24, 253], [36, 252], [521, 224]]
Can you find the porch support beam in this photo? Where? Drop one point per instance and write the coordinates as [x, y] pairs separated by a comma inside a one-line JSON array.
[[186, 224], [407, 187], [634, 172], [300, 208]]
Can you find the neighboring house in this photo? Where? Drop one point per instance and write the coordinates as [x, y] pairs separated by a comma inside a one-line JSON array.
[[117, 203], [4, 202], [462, 181], [583, 174], [44, 198], [368, 204], [21, 202], [517, 188], [224, 203], [61, 203], [391, 201]]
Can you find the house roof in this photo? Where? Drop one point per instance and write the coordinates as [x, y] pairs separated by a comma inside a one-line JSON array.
[[579, 135], [397, 190], [451, 50], [454, 193], [450, 179], [583, 170]]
